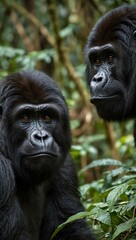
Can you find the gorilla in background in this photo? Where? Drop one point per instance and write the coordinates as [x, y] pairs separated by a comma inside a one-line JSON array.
[[38, 183], [111, 64]]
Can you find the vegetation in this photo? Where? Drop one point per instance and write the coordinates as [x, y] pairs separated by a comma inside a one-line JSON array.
[[50, 36]]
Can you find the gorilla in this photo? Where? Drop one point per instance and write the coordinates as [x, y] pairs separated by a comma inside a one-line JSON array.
[[110, 55], [38, 182]]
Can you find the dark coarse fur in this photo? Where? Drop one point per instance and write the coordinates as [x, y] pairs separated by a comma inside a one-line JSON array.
[[117, 25], [36, 193], [118, 30]]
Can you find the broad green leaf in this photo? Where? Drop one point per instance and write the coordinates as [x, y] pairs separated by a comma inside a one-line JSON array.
[[124, 227], [116, 172], [101, 215], [103, 162], [127, 178], [129, 206], [69, 220], [114, 195]]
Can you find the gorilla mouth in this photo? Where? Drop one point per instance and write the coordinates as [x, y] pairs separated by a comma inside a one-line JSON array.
[[94, 100], [41, 154]]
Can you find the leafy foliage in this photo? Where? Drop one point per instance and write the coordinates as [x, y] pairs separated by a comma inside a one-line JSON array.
[[110, 210]]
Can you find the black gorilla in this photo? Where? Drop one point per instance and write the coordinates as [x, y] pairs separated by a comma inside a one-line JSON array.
[[38, 183], [111, 64]]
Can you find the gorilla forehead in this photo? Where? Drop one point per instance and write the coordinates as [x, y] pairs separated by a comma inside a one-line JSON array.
[[114, 25], [30, 87]]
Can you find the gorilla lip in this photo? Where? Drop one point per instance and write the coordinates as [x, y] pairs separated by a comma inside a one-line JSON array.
[[102, 98], [41, 154]]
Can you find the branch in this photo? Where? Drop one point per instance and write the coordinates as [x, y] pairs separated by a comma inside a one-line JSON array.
[[21, 31], [63, 57], [42, 29], [111, 139]]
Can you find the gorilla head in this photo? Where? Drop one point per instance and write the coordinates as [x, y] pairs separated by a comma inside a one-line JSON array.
[[38, 181], [35, 132], [111, 64]]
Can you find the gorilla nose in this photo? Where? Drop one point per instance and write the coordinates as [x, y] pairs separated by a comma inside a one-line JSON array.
[[99, 77], [39, 136]]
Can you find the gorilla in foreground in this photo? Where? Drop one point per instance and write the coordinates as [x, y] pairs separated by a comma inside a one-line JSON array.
[[111, 64], [38, 183]]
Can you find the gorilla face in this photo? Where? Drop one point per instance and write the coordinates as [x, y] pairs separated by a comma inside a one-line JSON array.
[[107, 85], [110, 60], [37, 126]]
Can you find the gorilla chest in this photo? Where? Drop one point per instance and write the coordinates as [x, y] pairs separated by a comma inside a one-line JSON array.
[[32, 204]]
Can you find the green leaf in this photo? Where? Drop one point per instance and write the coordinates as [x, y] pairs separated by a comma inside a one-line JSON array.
[[10, 52], [115, 218], [101, 215], [103, 162], [114, 195], [124, 227], [116, 172], [129, 206], [77, 216]]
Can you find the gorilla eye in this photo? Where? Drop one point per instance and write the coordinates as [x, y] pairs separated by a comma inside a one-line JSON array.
[[47, 118], [110, 59], [97, 61], [25, 118]]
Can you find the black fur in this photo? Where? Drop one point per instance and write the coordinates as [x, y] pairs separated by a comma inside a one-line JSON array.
[[38, 182], [113, 81]]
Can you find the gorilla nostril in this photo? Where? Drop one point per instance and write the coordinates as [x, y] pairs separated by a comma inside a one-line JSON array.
[[40, 136], [95, 81], [98, 79]]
